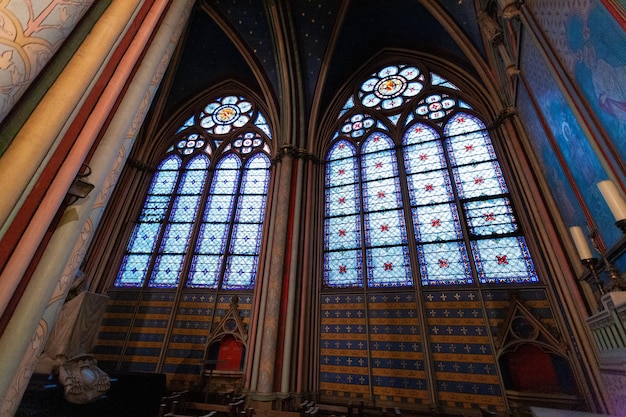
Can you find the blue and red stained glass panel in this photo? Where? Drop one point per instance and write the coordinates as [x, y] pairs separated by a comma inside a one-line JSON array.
[[220, 230], [459, 205]]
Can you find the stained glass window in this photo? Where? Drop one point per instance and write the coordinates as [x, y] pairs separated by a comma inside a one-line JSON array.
[[436, 181], [202, 221]]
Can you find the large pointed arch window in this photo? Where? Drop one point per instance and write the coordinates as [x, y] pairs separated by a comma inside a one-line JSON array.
[[414, 191], [201, 223]]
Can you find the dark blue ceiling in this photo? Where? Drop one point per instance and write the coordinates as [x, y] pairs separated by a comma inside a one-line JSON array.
[[341, 35]]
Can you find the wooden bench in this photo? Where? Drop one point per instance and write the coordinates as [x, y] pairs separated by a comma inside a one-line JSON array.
[[174, 403], [211, 414], [218, 408], [337, 410], [275, 413], [388, 413]]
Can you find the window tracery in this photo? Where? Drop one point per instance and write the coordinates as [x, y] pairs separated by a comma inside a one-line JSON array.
[[412, 160], [201, 223]]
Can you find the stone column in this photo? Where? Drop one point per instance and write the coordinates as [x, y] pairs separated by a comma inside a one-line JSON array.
[[287, 375], [269, 326]]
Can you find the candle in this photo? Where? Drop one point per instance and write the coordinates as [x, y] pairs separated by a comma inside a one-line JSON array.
[[584, 252], [613, 198]]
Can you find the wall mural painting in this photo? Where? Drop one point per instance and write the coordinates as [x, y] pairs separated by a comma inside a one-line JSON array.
[[560, 187], [570, 142], [597, 41], [31, 31], [589, 41]]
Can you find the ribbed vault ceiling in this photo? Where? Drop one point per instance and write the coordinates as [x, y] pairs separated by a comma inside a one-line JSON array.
[[312, 47]]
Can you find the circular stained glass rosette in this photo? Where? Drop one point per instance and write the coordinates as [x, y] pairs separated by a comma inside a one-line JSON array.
[[435, 106], [192, 142], [224, 114], [357, 125], [390, 87], [247, 142]]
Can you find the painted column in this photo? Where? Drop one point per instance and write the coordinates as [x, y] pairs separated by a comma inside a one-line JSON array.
[[269, 339], [30, 34], [23, 161], [31, 322], [287, 377]]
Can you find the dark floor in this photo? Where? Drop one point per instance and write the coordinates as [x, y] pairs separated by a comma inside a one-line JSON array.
[[130, 395]]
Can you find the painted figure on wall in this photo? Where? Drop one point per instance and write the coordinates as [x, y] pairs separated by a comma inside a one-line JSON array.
[[597, 41]]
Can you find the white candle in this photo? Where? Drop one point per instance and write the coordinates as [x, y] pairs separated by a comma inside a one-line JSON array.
[[613, 198], [584, 252]]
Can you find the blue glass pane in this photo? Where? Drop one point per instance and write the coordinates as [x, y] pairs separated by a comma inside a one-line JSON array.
[[190, 122], [154, 208], [164, 182], [205, 271], [133, 270], [251, 209], [479, 180], [219, 208], [385, 228], [438, 80], [462, 123], [379, 146], [240, 272], [444, 263], [192, 182], [259, 161], [166, 271], [144, 238], [470, 148], [340, 150], [341, 172], [171, 163], [419, 133], [379, 165], [343, 269], [185, 208], [503, 260], [246, 239], [199, 163], [255, 181], [261, 123], [342, 200], [349, 104], [424, 156], [212, 238], [176, 238], [230, 162], [342, 232], [487, 217], [388, 266], [464, 105], [436, 223], [430, 188], [382, 195]]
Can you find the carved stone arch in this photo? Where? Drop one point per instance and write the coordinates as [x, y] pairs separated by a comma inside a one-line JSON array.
[[534, 362], [230, 324], [521, 325], [225, 353]]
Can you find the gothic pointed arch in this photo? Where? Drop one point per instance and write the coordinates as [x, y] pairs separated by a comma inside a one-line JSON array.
[[191, 259], [422, 243]]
